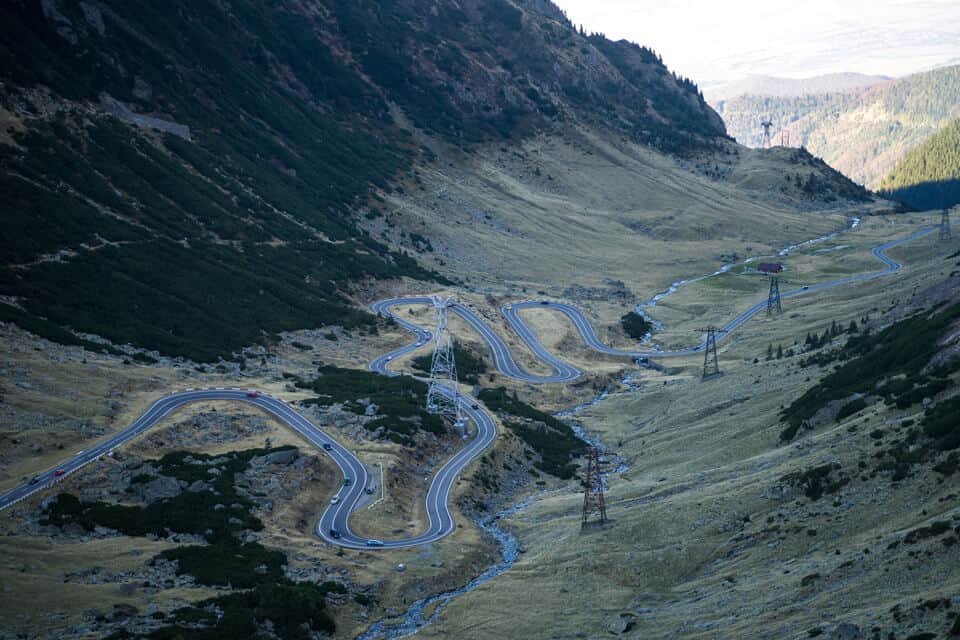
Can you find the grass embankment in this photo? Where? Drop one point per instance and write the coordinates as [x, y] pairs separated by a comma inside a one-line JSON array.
[[553, 441], [893, 364]]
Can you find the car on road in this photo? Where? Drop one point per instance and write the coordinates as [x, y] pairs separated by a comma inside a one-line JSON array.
[[253, 394], [804, 288], [334, 499], [544, 302], [389, 358], [374, 543], [334, 534], [327, 446], [347, 482], [475, 405], [369, 491], [59, 472], [34, 480]]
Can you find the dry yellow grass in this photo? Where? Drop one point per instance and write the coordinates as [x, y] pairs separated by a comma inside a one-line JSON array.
[[681, 555]]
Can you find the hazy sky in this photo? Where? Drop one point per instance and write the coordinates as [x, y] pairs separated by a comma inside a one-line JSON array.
[[715, 41]]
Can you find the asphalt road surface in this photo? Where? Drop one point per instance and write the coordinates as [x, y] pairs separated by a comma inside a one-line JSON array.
[[333, 525]]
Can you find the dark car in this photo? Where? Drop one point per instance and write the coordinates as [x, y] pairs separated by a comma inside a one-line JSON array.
[[334, 534], [347, 482], [327, 446], [544, 302], [475, 405], [369, 491], [34, 480]]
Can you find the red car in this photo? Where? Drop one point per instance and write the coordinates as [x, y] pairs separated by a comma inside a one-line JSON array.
[[59, 472], [253, 394]]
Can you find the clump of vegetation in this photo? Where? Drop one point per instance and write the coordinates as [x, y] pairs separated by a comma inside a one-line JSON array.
[[817, 481], [469, 365], [942, 424], [554, 441], [852, 407], [240, 566], [295, 611], [635, 325], [193, 512], [399, 400], [901, 350]]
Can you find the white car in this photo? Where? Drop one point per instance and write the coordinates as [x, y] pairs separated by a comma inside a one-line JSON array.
[[334, 499]]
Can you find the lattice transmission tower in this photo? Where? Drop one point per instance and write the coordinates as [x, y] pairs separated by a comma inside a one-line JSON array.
[[711, 364], [443, 395], [945, 233], [767, 141], [594, 504], [773, 298]]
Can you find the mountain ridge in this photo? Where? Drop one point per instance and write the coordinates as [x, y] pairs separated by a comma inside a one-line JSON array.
[[764, 85], [928, 177], [844, 128]]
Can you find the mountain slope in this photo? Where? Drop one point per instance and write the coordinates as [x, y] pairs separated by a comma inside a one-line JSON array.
[[862, 132], [759, 85], [189, 178], [929, 176]]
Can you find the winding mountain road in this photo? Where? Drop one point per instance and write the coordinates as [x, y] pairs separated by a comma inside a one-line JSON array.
[[333, 525]]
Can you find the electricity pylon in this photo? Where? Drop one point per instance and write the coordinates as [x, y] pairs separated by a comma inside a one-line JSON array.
[[711, 365], [945, 233], [442, 395], [593, 500], [767, 142], [773, 299]]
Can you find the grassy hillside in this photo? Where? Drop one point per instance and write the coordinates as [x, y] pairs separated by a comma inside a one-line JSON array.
[[861, 132], [929, 176], [190, 178]]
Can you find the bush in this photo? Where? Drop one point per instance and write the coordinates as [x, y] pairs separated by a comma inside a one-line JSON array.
[[851, 408], [635, 325], [240, 566]]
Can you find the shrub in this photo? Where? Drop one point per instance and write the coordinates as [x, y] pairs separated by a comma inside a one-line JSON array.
[[851, 408], [635, 325]]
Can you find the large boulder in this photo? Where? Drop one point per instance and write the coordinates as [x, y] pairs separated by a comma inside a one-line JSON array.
[[157, 489], [282, 457]]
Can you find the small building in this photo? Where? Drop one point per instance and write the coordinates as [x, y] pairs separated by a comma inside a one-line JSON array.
[[769, 267]]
